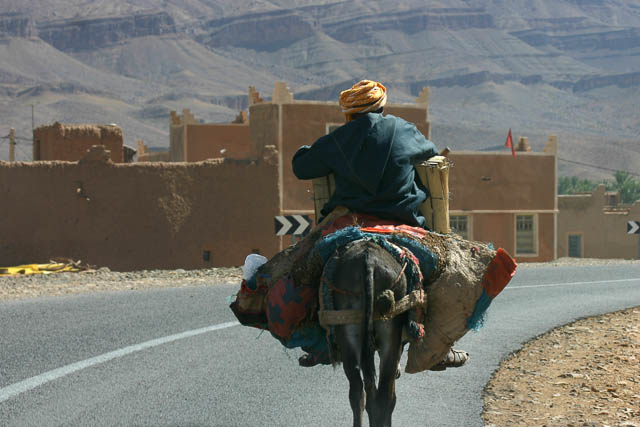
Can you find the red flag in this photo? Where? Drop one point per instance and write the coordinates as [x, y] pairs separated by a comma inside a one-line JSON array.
[[509, 143]]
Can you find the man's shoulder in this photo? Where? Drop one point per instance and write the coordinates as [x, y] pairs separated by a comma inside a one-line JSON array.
[[399, 119], [324, 138], [348, 129], [399, 122]]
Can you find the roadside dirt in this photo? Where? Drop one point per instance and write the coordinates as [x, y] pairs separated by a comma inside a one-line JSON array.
[[103, 279], [586, 373]]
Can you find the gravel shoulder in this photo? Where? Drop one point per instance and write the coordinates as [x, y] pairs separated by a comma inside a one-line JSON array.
[[20, 287], [581, 374], [103, 279]]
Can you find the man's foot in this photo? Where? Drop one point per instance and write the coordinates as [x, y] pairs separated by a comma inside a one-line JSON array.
[[308, 360], [454, 359]]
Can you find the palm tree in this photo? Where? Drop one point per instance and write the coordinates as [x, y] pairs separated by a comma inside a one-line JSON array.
[[627, 186], [573, 185]]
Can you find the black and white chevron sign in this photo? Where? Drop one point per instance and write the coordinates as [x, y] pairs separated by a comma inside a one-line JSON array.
[[633, 227], [292, 224]]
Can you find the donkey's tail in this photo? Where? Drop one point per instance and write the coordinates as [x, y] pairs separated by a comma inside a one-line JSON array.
[[368, 344]]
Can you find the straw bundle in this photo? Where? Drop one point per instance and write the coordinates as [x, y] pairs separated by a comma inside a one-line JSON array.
[[434, 174]]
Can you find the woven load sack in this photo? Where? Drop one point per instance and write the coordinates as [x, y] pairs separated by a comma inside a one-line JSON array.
[[472, 276], [251, 303]]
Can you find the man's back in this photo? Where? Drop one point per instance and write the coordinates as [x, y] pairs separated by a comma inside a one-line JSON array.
[[372, 158]]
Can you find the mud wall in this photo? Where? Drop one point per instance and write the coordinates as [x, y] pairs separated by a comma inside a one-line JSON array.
[[603, 230], [151, 156], [497, 181], [71, 142], [212, 141], [263, 127], [140, 215], [176, 143], [418, 115], [499, 229], [144, 155], [493, 188]]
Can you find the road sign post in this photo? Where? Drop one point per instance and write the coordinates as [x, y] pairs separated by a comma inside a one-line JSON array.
[[633, 227]]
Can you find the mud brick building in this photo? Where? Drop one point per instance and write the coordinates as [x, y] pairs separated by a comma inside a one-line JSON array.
[[496, 198], [508, 201], [212, 213], [594, 225], [147, 155], [134, 216], [192, 141], [70, 142]]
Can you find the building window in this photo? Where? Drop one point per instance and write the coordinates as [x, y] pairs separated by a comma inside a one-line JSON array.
[[526, 235], [460, 225], [333, 126], [612, 198], [575, 245]]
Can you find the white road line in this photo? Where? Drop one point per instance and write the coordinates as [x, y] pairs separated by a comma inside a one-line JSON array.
[[30, 383], [572, 284]]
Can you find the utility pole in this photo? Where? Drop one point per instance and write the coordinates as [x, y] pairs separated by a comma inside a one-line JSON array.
[[12, 145], [33, 127]]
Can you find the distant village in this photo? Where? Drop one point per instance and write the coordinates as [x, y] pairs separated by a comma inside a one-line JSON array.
[[216, 194]]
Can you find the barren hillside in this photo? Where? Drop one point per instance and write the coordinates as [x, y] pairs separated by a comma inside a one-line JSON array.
[[569, 67]]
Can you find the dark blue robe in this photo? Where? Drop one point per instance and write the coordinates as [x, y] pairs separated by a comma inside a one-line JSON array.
[[372, 158]]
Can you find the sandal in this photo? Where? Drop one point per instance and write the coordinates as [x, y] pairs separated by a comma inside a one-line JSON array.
[[454, 359]]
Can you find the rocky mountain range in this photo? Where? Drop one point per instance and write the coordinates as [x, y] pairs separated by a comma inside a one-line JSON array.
[[540, 67]]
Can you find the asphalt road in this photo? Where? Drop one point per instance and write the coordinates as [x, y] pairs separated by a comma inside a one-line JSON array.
[[170, 357]]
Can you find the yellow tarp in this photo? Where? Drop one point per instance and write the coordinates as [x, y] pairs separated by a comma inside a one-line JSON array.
[[28, 269]]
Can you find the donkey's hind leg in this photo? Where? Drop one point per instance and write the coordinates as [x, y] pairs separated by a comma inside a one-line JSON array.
[[349, 337], [390, 352]]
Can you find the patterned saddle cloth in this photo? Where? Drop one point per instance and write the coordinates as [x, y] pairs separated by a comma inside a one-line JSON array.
[[284, 295]]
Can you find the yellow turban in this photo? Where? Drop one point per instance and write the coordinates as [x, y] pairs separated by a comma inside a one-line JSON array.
[[363, 97]]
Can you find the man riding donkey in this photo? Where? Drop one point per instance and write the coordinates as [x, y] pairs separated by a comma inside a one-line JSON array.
[[372, 158]]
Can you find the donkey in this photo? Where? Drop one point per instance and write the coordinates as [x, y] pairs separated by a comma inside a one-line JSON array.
[[363, 271]]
